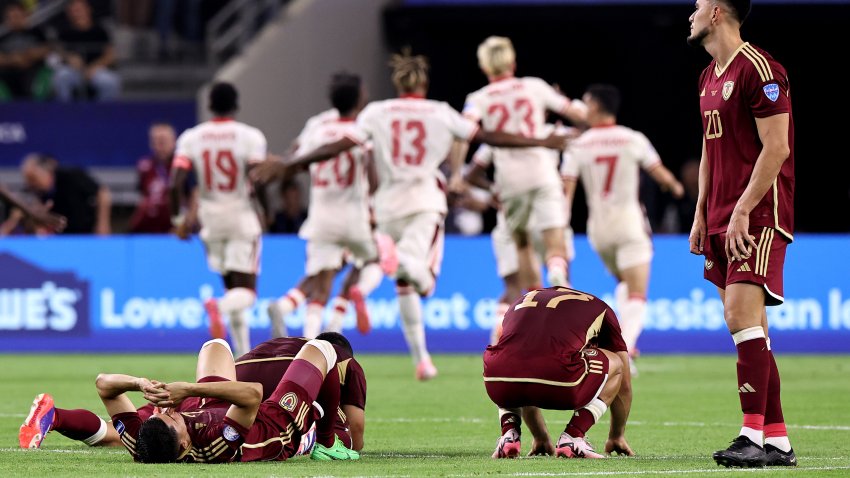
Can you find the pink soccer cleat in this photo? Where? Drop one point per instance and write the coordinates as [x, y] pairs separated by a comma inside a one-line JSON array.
[[387, 256], [508, 445], [362, 314], [38, 422], [217, 329], [569, 447], [425, 370]]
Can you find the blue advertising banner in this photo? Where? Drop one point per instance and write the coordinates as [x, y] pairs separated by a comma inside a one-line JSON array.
[[146, 293], [86, 134]]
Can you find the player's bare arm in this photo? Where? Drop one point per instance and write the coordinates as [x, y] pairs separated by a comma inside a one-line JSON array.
[[457, 158], [112, 389], [176, 186], [620, 408], [270, 169], [477, 176], [39, 213], [356, 425], [104, 207], [244, 397], [541, 442], [667, 181], [773, 134], [699, 230], [501, 139]]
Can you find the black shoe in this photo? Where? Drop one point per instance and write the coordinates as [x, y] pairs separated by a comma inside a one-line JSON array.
[[742, 453], [777, 457]]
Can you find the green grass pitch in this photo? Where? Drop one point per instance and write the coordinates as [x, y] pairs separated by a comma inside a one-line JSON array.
[[685, 407]]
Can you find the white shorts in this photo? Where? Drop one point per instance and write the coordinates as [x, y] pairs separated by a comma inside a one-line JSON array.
[[419, 240], [622, 242], [504, 248], [332, 255], [234, 255], [546, 204]]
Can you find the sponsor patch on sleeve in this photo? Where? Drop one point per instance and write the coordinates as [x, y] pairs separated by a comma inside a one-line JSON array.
[[771, 91], [230, 433], [119, 427]]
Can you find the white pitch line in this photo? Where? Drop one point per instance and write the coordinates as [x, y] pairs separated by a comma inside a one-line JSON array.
[[13, 415], [63, 450], [669, 472]]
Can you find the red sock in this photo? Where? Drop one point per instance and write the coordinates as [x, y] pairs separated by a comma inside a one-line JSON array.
[[76, 424], [753, 375], [510, 421], [580, 423]]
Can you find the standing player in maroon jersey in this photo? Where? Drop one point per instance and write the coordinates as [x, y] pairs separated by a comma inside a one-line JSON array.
[[227, 419], [744, 217], [560, 349]]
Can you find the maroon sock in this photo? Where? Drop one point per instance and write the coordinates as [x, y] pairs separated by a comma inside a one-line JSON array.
[[510, 421], [75, 424], [305, 375], [580, 423], [773, 410], [753, 375], [328, 399]]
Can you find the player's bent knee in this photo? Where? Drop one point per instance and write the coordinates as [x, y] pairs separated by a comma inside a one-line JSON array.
[[615, 365], [327, 351], [221, 342]]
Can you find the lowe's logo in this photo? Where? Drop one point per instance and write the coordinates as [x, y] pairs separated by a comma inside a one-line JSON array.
[[35, 301]]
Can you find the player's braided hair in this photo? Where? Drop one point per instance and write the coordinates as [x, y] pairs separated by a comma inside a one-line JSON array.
[[157, 442], [409, 72]]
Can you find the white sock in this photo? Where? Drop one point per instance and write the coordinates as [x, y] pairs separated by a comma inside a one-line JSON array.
[[291, 301], [410, 306], [496, 332], [371, 276], [313, 319], [597, 408], [240, 334], [556, 267], [98, 436], [632, 318], [757, 436], [339, 308], [783, 443], [621, 295]]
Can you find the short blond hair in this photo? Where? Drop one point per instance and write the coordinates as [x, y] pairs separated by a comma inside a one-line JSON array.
[[409, 72], [496, 56]]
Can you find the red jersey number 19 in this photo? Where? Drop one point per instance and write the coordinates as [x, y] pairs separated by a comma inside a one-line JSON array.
[[220, 173]]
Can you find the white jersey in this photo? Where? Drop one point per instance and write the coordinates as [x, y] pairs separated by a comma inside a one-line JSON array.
[[321, 118], [411, 137], [220, 152], [608, 160], [518, 106], [339, 187]]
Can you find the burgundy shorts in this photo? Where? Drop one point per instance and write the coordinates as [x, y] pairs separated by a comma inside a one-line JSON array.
[[552, 393], [268, 373], [763, 268]]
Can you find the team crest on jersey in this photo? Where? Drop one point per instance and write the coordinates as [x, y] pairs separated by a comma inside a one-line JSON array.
[[708, 264], [289, 401], [771, 91], [727, 89], [591, 353], [230, 433]]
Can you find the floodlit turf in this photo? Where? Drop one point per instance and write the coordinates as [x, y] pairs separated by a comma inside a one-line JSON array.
[[684, 408]]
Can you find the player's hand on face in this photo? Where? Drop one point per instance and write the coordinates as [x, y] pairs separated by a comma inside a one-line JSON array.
[[541, 448], [698, 234], [172, 394], [739, 242], [619, 446]]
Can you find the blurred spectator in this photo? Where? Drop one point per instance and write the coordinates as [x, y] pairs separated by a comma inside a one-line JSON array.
[[134, 13], [152, 214], [69, 192], [293, 212], [190, 17], [22, 53], [87, 55]]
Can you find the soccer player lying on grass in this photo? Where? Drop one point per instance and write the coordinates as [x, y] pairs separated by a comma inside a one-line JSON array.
[[265, 364], [560, 349]]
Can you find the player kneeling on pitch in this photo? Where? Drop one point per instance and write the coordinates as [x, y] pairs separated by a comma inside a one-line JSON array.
[[223, 420], [560, 349]]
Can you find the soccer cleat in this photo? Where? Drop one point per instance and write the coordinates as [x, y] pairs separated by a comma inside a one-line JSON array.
[[217, 329], [425, 370], [38, 422], [362, 314], [337, 451], [569, 447], [742, 453], [387, 257], [508, 445], [777, 457]]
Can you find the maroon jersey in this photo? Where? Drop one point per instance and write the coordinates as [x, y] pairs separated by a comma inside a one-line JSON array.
[[215, 437], [552, 326], [753, 85], [267, 362]]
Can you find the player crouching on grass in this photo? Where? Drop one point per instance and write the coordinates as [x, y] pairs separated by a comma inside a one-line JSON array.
[[223, 420], [560, 349]]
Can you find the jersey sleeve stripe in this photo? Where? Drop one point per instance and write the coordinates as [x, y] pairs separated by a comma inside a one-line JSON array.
[[757, 55], [181, 162], [762, 68]]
